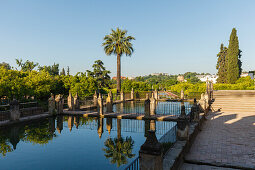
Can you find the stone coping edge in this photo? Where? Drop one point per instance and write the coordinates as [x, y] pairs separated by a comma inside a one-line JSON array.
[[175, 155], [24, 119]]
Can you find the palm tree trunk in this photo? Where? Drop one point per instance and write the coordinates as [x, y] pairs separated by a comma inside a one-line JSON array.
[[118, 74]]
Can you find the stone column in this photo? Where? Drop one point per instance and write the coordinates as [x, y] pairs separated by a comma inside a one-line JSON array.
[[14, 110], [153, 105], [59, 104], [132, 94], [122, 96], [59, 124], [70, 101], [100, 105], [100, 129], [182, 94], [109, 124], [151, 153], [95, 98], [14, 136], [153, 125], [156, 94], [109, 103], [147, 106], [70, 122], [118, 128], [51, 105], [194, 114], [182, 125], [76, 102]]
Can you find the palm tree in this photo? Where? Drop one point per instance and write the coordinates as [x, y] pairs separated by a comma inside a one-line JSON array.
[[118, 150], [118, 43]]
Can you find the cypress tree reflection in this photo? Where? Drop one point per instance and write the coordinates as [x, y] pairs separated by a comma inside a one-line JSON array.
[[118, 150]]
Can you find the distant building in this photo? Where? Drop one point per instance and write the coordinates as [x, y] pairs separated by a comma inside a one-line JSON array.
[[158, 74], [244, 75], [203, 78], [180, 78], [123, 78], [130, 78], [250, 73]]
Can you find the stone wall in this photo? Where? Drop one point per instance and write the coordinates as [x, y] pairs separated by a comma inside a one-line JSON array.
[[31, 111], [4, 115]]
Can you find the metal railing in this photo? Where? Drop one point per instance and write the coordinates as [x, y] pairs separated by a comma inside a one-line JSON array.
[[134, 165]]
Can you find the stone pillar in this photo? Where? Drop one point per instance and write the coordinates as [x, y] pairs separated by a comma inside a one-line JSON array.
[[51, 105], [76, 102], [109, 103], [14, 110], [14, 136], [59, 124], [100, 129], [109, 124], [182, 125], [118, 128], [59, 104], [100, 105], [132, 94], [211, 87], [156, 94], [153, 125], [70, 101], [70, 122], [151, 153], [193, 110], [152, 105], [122, 96], [147, 106], [52, 125], [202, 101], [95, 98], [206, 101], [182, 94]]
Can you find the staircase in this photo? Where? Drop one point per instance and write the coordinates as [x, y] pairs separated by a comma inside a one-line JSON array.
[[234, 101]]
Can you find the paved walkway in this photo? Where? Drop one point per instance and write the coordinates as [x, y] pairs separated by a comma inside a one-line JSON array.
[[226, 140]]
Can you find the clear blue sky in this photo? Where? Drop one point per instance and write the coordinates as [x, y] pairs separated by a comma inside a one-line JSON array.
[[171, 36]]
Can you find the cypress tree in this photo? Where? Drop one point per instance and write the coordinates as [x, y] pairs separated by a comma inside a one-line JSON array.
[[63, 72], [222, 65], [68, 70], [233, 71]]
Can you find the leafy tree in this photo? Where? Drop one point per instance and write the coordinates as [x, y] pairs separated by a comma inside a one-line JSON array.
[[5, 65], [26, 66], [118, 43], [53, 70], [222, 65], [100, 74], [233, 55]]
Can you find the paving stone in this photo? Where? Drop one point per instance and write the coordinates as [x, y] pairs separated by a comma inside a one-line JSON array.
[[226, 138]]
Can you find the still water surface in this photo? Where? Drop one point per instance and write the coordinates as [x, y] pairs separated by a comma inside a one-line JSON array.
[[68, 142]]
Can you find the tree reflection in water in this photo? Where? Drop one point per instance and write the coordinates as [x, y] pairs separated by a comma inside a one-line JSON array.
[[118, 150], [36, 133]]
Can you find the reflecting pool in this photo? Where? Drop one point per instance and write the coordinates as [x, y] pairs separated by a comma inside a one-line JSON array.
[[74, 142]]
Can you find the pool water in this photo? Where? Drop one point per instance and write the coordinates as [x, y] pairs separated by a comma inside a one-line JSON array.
[[74, 142]]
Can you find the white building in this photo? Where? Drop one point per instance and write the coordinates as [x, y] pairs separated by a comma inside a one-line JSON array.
[[212, 78]]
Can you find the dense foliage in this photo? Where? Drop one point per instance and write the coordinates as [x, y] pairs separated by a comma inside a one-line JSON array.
[[41, 83]]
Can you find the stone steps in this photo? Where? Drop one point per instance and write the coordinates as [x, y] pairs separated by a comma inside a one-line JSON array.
[[234, 101]]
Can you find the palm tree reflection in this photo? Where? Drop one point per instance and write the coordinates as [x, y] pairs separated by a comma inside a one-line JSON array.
[[118, 150]]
